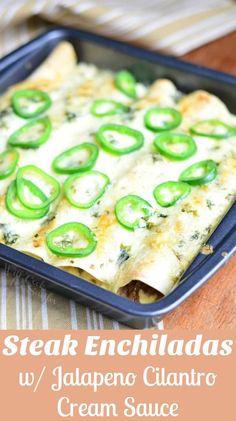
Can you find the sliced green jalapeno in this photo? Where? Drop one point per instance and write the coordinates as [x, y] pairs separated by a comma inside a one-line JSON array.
[[202, 172], [78, 159], [106, 107], [126, 83], [213, 128], [32, 135], [71, 240], [41, 181], [114, 137], [132, 212], [33, 193], [16, 208], [30, 103], [84, 190], [175, 146], [8, 162], [162, 119], [171, 192]]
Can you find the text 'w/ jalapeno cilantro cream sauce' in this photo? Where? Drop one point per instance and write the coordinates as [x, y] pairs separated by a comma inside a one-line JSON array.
[[112, 180]]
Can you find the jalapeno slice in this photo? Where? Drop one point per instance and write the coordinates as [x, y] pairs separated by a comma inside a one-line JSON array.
[[213, 128], [132, 212], [30, 103], [8, 162], [162, 119], [32, 135], [175, 146], [106, 107], [41, 181], [126, 83], [84, 190], [16, 208], [78, 159], [112, 137], [202, 172], [71, 240], [171, 192]]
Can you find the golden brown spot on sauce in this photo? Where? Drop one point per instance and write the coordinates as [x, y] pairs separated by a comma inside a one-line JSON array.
[[106, 88], [37, 242], [184, 108], [207, 249], [198, 200], [189, 209], [205, 188], [42, 84], [146, 102], [156, 243], [106, 221], [178, 226], [2, 200], [202, 96], [196, 100], [86, 89]]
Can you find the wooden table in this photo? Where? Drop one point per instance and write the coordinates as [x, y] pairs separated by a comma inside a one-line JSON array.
[[214, 305]]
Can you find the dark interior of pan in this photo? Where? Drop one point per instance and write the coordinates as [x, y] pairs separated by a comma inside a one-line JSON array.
[[146, 66]]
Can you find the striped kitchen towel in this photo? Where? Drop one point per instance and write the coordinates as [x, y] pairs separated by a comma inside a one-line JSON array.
[[175, 27]]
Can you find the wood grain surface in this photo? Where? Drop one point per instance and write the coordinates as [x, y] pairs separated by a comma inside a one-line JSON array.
[[214, 305]]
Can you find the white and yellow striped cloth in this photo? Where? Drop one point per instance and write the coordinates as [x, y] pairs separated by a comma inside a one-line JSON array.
[[171, 26]]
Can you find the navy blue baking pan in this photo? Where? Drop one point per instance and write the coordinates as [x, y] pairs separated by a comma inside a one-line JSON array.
[[147, 66]]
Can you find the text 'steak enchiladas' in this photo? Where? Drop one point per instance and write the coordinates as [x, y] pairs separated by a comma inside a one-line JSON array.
[[116, 182]]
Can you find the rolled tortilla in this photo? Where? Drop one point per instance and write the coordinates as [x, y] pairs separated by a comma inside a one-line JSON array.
[[158, 255]]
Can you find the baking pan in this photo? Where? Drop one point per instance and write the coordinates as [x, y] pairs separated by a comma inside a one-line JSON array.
[[147, 66]]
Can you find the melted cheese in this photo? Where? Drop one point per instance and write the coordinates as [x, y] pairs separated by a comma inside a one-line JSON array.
[[160, 252]]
